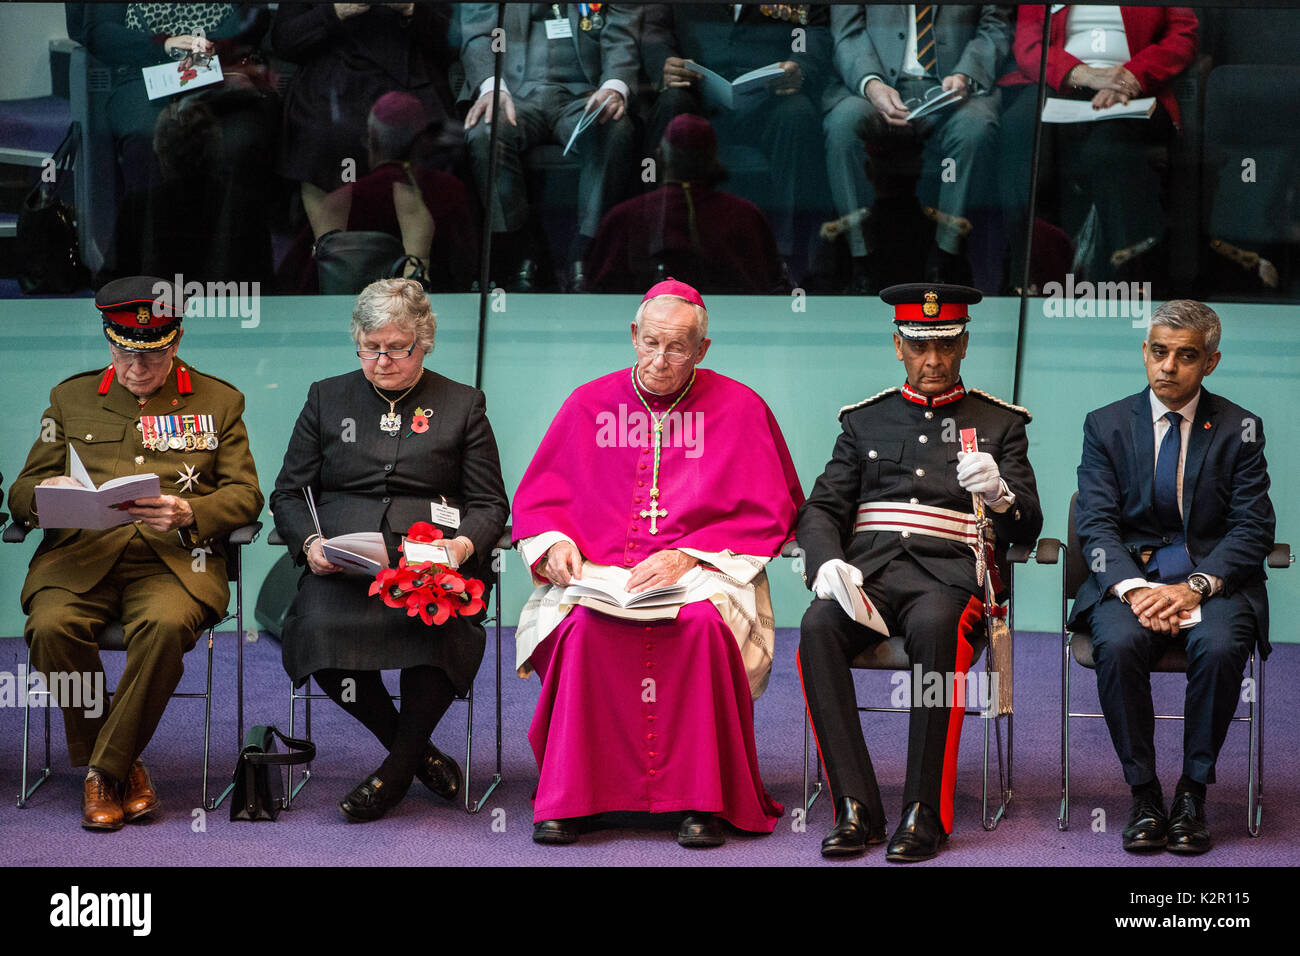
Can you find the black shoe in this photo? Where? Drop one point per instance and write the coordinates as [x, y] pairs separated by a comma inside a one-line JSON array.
[[555, 832], [370, 800], [700, 830], [440, 773], [525, 279], [853, 832], [1148, 827], [918, 837], [577, 277], [1188, 830]]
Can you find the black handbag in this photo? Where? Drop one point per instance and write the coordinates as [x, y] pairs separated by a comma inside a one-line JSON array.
[[49, 255], [259, 791], [348, 261]]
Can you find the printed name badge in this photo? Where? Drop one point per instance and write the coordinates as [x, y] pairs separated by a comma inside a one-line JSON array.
[[444, 514], [558, 29]]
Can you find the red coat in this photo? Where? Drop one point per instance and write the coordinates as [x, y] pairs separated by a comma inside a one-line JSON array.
[[1161, 41]]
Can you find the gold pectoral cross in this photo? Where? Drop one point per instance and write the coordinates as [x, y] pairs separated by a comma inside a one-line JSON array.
[[654, 513]]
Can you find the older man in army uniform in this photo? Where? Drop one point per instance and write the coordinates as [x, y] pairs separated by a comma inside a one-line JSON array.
[[147, 412], [893, 515]]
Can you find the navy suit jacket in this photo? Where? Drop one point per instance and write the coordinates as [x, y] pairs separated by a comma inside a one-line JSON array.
[[1227, 516]]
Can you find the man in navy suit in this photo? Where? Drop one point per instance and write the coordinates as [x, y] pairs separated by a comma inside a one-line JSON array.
[[1175, 523]]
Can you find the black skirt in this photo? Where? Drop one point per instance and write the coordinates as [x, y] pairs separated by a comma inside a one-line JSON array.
[[335, 624]]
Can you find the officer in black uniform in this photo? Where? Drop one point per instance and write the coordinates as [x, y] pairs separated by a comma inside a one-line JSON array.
[[893, 513]]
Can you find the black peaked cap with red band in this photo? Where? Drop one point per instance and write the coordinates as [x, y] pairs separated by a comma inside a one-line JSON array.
[[140, 313], [930, 310]]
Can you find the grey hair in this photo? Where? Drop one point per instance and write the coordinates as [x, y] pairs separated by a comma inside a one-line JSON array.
[[395, 301], [1189, 314], [701, 314]]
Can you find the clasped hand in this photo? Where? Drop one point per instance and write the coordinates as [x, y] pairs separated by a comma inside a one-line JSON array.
[[1161, 607]]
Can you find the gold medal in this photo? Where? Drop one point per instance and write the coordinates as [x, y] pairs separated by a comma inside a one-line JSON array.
[[585, 24]]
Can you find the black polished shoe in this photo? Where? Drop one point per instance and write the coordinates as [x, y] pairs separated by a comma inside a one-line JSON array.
[[700, 830], [1188, 830], [369, 800], [1148, 827], [440, 773], [918, 836], [525, 279], [555, 832], [577, 278], [853, 832]]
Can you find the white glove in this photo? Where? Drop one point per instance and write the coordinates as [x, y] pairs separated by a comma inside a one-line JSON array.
[[822, 583], [978, 473]]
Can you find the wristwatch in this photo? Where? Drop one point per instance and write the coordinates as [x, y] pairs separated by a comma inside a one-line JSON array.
[[1200, 584]]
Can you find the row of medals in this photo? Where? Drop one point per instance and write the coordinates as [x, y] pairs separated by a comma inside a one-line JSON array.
[[191, 440]]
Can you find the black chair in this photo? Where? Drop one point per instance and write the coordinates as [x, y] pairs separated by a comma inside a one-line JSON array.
[[112, 638], [1074, 571], [889, 655], [306, 696]]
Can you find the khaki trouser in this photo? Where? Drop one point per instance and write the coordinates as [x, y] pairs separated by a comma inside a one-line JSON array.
[[161, 621]]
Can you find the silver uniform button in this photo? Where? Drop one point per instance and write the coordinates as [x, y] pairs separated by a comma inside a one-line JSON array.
[[872, 454], [914, 501], [139, 459], [929, 414], [920, 472], [907, 534], [922, 439], [89, 436]]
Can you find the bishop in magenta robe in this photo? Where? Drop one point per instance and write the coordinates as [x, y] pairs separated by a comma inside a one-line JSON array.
[[654, 715]]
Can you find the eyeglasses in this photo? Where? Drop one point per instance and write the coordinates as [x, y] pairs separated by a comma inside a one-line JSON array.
[[914, 103], [147, 359], [371, 355], [672, 357]]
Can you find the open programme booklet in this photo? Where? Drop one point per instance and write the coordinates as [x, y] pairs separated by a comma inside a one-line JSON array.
[[608, 585], [88, 507], [718, 91]]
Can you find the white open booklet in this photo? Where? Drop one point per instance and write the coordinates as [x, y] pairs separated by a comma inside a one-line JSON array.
[[88, 507], [855, 603]]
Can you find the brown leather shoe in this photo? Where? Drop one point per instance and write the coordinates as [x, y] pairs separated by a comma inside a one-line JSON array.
[[101, 803], [141, 799]]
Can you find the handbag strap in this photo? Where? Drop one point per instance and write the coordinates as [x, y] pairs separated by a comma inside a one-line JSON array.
[[306, 752]]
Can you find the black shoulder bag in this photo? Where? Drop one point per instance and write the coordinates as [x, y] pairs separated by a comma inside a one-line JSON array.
[[259, 792]]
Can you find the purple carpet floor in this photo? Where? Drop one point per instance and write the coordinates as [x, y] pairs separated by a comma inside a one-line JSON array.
[[424, 830]]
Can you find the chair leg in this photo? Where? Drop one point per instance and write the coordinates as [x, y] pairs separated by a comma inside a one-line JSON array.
[[292, 789], [810, 793], [25, 792], [1255, 752], [475, 807], [1063, 814]]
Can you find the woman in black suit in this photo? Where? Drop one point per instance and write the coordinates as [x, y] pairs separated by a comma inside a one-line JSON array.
[[370, 470]]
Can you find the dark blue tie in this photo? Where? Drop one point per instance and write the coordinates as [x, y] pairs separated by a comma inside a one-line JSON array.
[[1166, 491]]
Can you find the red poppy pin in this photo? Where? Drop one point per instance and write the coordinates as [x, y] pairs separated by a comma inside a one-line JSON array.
[[419, 421], [1206, 426]]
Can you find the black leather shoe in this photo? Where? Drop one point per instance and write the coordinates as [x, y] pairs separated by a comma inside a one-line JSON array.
[[700, 830], [577, 277], [555, 832], [918, 836], [1148, 827], [1188, 830], [369, 800], [524, 280], [440, 773], [853, 831]]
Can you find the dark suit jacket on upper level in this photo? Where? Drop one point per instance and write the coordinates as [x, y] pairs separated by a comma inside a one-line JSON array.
[[609, 53], [1227, 516], [364, 479], [969, 39], [711, 35]]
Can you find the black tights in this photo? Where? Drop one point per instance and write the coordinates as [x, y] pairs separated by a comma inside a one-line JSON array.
[[426, 694]]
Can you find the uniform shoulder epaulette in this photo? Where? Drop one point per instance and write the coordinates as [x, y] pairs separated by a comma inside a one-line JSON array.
[[191, 370], [95, 373], [867, 401], [1018, 409]]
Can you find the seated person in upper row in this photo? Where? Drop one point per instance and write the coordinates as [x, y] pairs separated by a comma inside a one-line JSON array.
[[559, 62], [162, 575], [687, 227], [891, 58], [732, 39], [651, 710]]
